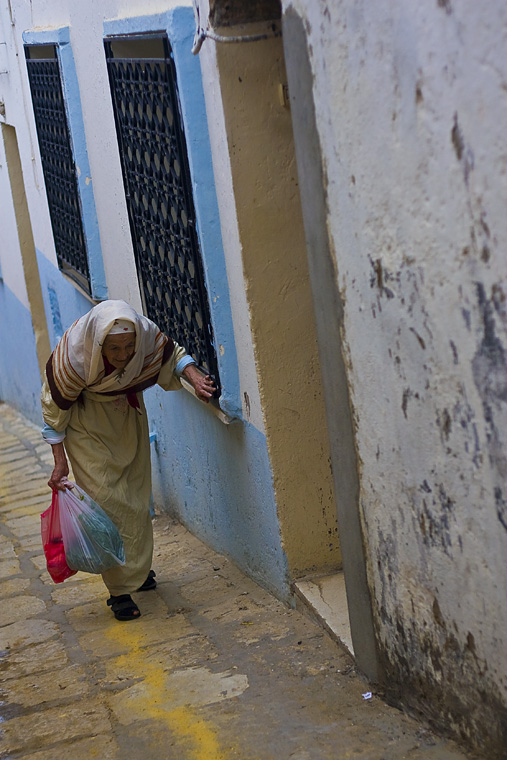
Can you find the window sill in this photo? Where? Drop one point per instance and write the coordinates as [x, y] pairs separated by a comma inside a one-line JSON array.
[[212, 405], [79, 289]]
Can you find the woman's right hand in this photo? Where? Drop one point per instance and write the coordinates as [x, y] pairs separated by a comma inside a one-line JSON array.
[[58, 480]]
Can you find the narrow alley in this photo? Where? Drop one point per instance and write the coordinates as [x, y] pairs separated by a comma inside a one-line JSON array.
[[216, 668]]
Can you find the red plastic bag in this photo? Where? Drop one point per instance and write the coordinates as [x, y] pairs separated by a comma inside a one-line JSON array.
[[52, 542]]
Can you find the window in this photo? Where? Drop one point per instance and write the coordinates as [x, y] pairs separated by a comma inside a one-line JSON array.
[[158, 189], [58, 162]]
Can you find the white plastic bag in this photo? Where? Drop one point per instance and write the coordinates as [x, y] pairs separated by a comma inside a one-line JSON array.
[[91, 540]]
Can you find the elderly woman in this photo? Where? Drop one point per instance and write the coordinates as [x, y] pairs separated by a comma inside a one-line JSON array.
[[93, 407]]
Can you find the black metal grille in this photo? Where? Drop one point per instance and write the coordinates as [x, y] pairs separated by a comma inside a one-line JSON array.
[[159, 198], [58, 164]]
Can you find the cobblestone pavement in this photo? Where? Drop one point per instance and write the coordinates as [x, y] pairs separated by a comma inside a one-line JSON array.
[[215, 668]]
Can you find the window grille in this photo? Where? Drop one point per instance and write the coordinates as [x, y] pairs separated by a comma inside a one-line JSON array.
[[58, 162], [159, 196]]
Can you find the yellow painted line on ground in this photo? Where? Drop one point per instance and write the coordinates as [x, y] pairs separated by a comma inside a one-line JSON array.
[[183, 722]]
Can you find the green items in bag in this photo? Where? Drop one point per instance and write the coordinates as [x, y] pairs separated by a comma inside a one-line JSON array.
[[91, 540]]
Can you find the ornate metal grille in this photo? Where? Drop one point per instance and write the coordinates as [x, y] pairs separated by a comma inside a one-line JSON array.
[[159, 196], [58, 162]]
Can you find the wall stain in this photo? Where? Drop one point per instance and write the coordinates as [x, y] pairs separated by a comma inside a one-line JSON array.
[[484, 225], [501, 506], [387, 564], [445, 5], [422, 343], [444, 422], [434, 518], [454, 351], [407, 395], [247, 405], [437, 614], [457, 139], [464, 154], [417, 661], [464, 415], [55, 313], [488, 368], [380, 277], [498, 301]]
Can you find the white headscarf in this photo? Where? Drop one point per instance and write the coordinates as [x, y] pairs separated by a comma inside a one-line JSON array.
[[77, 362]]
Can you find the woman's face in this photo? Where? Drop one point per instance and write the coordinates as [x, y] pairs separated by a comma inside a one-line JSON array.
[[119, 349]]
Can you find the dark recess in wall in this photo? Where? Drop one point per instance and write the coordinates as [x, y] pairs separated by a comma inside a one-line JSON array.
[[232, 12]]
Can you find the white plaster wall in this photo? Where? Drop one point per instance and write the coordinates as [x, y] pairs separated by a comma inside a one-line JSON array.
[[411, 107], [11, 265], [15, 95], [86, 21]]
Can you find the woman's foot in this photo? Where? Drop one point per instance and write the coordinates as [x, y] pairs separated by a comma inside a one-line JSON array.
[[124, 607], [149, 583]]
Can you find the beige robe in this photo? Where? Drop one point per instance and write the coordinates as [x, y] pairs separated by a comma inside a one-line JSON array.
[[107, 443]]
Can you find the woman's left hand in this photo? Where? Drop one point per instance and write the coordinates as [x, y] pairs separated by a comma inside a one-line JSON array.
[[203, 385]]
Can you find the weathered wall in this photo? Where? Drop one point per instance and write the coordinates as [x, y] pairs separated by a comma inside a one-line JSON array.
[[411, 112]]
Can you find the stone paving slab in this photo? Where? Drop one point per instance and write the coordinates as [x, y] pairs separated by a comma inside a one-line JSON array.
[[38, 729], [7, 551], [13, 587], [35, 502], [42, 688], [9, 567], [97, 747], [24, 526], [215, 669], [32, 544], [21, 608], [26, 632], [37, 658]]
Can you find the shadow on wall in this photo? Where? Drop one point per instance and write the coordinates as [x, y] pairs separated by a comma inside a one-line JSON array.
[[20, 381]]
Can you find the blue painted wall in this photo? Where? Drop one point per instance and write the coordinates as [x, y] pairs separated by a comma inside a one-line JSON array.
[[217, 480], [19, 369], [63, 303]]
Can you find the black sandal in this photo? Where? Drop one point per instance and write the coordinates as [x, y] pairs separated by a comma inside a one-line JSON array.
[[124, 607], [149, 583]]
